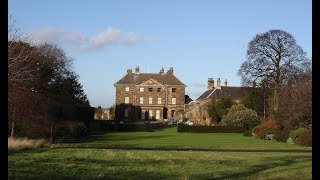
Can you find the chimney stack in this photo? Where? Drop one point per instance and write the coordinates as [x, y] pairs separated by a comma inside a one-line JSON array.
[[210, 83], [226, 82], [218, 84], [170, 71], [129, 71], [137, 70], [161, 71]]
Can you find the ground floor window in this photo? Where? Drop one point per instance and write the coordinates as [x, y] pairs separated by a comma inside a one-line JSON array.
[[150, 114], [143, 114], [158, 114]]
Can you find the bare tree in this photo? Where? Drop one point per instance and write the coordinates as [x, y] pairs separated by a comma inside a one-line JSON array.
[[295, 104], [21, 74], [20, 70], [42, 88], [275, 57]]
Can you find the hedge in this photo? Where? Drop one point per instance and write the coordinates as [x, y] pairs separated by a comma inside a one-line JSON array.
[[211, 129]]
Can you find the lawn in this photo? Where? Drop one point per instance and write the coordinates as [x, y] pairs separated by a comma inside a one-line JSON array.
[[170, 138], [77, 163], [93, 159]]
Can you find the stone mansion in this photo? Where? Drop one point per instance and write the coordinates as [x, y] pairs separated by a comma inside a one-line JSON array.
[[149, 96]]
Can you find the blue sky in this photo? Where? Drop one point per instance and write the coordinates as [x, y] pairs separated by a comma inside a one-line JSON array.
[[198, 38]]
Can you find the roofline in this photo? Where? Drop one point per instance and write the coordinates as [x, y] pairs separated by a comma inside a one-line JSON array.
[[182, 84], [116, 84], [210, 94]]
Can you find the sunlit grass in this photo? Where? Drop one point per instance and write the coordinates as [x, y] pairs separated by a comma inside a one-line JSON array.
[[77, 163], [170, 138]]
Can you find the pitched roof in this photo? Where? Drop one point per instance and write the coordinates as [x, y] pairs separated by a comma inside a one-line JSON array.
[[205, 94], [235, 93], [132, 78], [187, 99]]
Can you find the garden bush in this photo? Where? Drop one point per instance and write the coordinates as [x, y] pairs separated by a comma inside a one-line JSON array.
[[305, 138], [261, 131], [238, 114], [281, 135], [185, 119], [77, 130], [294, 134]]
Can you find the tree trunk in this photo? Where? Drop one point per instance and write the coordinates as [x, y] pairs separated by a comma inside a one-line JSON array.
[[13, 122], [276, 99]]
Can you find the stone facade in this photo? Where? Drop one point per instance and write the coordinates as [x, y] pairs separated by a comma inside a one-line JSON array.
[[197, 110], [104, 114], [143, 96]]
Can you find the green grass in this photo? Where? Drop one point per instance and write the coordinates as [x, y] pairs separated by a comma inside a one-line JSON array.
[[77, 163], [70, 161], [170, 138]]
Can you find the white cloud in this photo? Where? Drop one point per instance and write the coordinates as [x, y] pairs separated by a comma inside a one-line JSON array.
[[111, 36], [46, 35]]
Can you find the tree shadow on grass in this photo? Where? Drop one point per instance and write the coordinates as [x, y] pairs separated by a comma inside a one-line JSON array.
[[39, 150], [256, 169], [123, 168]]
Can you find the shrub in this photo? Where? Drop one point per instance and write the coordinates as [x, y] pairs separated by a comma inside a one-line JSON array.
[[305, 138], [78, 130], [185, 119], [239, 114], [294, 134], [281, 135], [256, 127], [24, 143], [248, 133], [261, 131]]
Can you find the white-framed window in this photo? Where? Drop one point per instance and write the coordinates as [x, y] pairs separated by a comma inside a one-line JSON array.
[[126, 100], [150, 100], [159, 100], [141, 89], [174, 89], [174, 100], [141, 100], [150, 114], [143, 114], [126, 113], [157, 114], [127, 89]]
